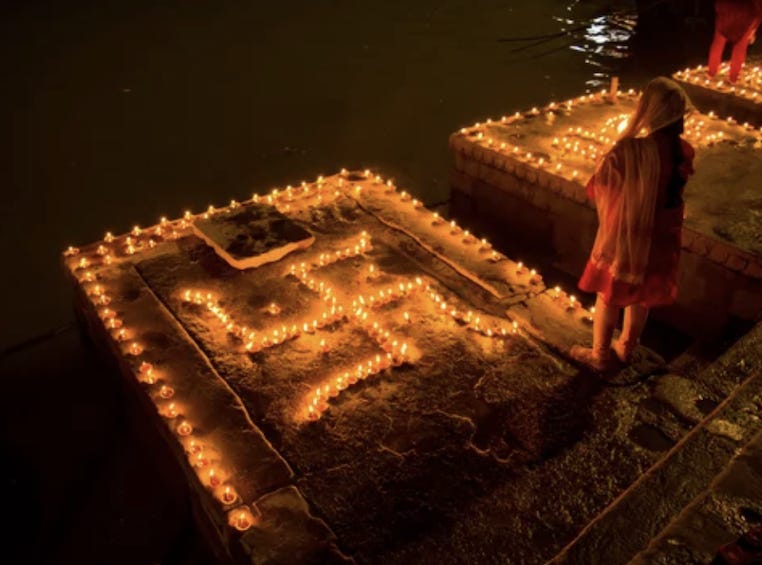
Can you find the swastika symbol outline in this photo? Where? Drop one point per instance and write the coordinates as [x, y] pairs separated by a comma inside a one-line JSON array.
[[395, 350]]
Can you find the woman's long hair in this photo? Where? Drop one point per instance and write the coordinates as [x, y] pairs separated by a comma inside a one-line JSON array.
[[626, 184]]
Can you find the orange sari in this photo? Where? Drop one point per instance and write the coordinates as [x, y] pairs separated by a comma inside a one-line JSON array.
[[638, 194]]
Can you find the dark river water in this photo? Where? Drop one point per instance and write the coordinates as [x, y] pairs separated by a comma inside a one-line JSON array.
[[116, 112]]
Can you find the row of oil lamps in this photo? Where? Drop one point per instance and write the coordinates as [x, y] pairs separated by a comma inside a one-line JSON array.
[[586, 144], [306, 190], [550, 111], [570, 302], [240, 518], [362, 242], [749, 84]]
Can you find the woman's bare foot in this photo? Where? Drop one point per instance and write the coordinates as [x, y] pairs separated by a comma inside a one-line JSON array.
[[588, 356], [623, 350]]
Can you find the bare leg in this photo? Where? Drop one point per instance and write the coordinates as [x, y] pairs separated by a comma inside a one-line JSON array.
[[604, 322], [635, 317], [739, 55], [715, 53]]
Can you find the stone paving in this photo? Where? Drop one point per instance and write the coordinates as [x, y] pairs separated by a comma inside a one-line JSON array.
[[728, 508], [647, 522]]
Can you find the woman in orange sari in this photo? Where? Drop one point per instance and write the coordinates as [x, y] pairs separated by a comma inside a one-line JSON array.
[[637, 188], [735, 21]]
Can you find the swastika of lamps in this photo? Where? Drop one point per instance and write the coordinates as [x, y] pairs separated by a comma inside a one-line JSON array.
[[85, 264]]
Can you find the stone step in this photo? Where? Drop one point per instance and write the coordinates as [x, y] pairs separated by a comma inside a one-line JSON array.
[[700, 471], [728, 508]]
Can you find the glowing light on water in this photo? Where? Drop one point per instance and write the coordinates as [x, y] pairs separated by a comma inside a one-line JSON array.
[[604, 40]]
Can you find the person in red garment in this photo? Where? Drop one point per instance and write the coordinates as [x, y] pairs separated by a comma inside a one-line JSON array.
[[638, 192], [735, 21]]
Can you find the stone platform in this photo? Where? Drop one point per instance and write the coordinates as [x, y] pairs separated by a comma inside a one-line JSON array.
[[525, 175], [397, 392], [741, 101]]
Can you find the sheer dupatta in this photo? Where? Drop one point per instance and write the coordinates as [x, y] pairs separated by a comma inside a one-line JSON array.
[[625, 188], [625, 185]]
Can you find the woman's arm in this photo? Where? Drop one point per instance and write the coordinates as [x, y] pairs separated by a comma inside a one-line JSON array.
[[607, 175], [685, 166]]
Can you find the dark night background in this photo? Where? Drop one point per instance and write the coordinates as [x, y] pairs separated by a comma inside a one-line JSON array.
[[115, 112]]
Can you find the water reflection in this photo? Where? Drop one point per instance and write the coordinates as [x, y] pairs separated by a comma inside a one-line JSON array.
[[600, 32], [606, 41]]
